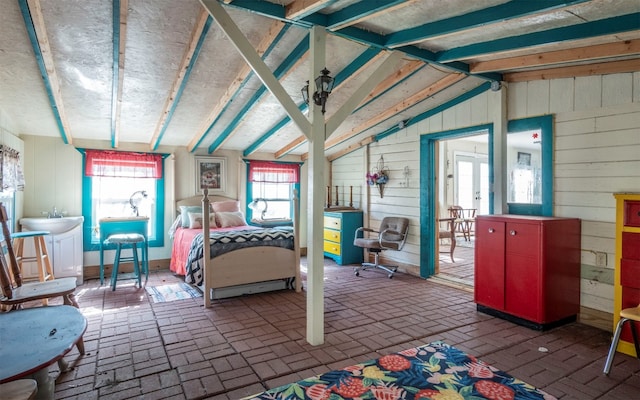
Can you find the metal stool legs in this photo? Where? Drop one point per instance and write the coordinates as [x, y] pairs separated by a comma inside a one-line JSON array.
[[616, 339]]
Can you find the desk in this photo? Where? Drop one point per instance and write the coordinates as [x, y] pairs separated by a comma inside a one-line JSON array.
[[110, 226], [34, 338]]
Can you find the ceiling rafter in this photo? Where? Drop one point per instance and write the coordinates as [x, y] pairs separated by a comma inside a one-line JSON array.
[[412, 121], [188, 61], [608, 26], [276, 29], [301, 8], [403, 105], [352, 70], [612, 67], [359, 12], [587, 53], [272, 10], [120, 10], [34, 23], [297, 55], [389, 82], [500, 13]]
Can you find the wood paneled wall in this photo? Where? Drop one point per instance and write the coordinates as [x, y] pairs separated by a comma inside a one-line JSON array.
[[596, 153]]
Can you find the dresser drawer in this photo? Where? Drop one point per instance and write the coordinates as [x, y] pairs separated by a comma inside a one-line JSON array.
[[631, 213], [331, 247], [332, 235], [332, 222], [630, 273], [631, 245]]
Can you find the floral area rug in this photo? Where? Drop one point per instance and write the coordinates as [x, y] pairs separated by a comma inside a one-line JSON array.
[[177, 291], [435, 371]]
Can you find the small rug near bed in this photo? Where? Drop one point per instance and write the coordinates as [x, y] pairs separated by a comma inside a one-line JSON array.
[[177, 291], [433, 371]]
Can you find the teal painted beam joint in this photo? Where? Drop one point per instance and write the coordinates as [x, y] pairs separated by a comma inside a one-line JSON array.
[[244, 82], [465, 96], [359, 10], [340, 77], [285, 66], [183, 84], [275, 11], [609, 26], [28, 23], [499, 13]]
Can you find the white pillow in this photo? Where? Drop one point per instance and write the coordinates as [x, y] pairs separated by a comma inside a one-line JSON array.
[[195, 220], [184, 213], [227, 219]]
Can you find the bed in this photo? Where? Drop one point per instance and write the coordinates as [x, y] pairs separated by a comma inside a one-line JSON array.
[[272, 255]]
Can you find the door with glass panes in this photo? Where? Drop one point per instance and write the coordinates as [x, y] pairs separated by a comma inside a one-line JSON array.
[[472, 182]]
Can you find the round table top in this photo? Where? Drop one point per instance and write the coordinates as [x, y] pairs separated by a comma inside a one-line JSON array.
[[34, 338]]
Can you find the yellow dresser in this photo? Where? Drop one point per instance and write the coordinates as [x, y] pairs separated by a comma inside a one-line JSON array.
[[339, 231], [627, 267]]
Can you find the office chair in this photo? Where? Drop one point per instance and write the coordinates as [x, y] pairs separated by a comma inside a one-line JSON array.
[[392, 236]]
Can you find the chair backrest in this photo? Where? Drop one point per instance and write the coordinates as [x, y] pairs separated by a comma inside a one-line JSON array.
[[5, 274], [456, 212], [393, 232]]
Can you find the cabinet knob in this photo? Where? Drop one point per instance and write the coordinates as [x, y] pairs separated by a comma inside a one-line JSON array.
[[491, 230], [512, 232]]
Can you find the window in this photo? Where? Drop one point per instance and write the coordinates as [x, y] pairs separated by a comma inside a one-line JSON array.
[[123, 184], [270, 191]]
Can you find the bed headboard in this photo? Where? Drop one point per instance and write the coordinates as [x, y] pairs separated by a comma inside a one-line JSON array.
[[197, 200]]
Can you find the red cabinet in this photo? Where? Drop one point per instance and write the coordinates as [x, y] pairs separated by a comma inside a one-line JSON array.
[[527, 268]]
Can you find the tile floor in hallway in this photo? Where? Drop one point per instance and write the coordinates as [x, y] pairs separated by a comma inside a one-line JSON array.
[[244, 345]]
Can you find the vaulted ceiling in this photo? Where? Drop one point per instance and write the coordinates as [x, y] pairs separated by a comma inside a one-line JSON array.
[[163, 72]]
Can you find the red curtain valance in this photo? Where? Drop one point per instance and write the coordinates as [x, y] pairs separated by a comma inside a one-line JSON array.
[[122, 164], [269, 171]]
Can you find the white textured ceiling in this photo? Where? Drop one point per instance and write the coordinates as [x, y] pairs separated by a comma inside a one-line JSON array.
[[77, 36]]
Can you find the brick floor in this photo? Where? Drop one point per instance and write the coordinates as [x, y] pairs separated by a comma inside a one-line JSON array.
[[180, 350]]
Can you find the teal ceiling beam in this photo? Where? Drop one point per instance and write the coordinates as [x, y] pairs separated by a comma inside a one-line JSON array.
[[273, 44], [33, 38], [608, 26], [183, 84], [457, 66], [358, 11], [281, 124], [500, 13], [283, 68], [444, 106], [275, 11], [340, 77], [116, 71]]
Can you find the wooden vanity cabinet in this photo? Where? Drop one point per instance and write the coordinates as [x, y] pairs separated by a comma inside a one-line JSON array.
[[527, 269]]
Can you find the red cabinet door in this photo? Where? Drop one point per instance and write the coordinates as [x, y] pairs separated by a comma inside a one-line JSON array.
[[522, 271], [489, 263]]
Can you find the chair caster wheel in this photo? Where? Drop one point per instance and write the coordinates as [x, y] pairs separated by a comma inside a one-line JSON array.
[[390, 276], [357, 273]]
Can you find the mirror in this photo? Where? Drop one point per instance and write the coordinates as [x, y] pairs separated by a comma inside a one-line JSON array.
[[529, 166], [524, 167]]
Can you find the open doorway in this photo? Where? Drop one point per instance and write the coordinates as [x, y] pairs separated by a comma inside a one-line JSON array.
[[463, 193]]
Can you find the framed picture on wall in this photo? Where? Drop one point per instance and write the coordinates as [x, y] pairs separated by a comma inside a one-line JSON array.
[[524, 159], [210, 173]]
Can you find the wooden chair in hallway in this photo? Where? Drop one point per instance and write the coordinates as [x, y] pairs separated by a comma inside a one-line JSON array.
[[446, 230], [465, 219], [14, 291]]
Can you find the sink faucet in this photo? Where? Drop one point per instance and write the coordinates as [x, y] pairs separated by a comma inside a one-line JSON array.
[[55, 213]]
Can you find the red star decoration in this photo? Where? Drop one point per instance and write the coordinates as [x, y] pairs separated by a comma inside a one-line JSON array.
[[535, 135]]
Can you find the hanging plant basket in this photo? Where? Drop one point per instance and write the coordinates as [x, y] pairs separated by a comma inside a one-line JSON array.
[[381, 189], [378, 176]]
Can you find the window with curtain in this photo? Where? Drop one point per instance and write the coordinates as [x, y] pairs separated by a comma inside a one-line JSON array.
[[270, 191], [124, 184], [11, 180]]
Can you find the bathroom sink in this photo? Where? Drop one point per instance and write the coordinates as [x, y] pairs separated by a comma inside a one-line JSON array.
[[53, 225]]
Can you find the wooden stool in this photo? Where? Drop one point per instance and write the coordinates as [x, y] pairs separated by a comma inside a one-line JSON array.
[[41, 257], [128, 239], [22, 389]]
